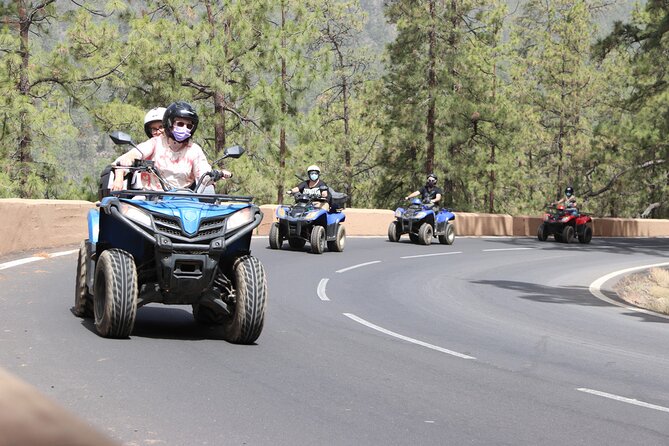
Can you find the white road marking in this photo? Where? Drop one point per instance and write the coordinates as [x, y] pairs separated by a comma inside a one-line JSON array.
[[595, 288], [357, 266], [406, 338], [432, 255], [321, 290], [63, 253], [624, 399], [18, 262], [506, 249]]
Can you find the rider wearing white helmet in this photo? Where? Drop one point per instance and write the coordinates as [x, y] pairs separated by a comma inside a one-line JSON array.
[[153, 122], [313, 187]]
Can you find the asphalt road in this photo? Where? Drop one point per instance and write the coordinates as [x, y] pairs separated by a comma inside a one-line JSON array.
[[488, 341]]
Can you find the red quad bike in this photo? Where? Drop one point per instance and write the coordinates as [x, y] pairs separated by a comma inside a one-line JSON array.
[[565, 224]]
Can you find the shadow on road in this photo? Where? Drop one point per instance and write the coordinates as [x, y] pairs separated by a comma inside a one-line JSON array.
[[167, 322], [574, 295], [612, 245]]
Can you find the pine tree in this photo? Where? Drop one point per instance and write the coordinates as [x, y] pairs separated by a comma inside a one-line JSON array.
[[635, 130], [440, 84], [558, 87], [340, 132], [38, 79]]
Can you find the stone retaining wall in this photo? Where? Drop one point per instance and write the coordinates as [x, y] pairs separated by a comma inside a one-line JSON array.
[[45, 224]]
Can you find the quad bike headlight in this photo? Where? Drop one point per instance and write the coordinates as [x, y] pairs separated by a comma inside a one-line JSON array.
[[565, 219], [398, 213], [420, 215], [280, 211], [311, 215], [240, 218], [135, 214]]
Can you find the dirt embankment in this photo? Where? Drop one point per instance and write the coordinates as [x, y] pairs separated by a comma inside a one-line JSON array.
[[649, 289]]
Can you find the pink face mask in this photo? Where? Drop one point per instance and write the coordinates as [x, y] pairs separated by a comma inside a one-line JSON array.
[[181, 133]]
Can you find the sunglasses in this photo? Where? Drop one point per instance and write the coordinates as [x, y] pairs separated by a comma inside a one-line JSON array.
[[189, 126]]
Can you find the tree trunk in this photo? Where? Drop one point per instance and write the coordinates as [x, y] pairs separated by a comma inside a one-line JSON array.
[[219, 123], [284, 108], [24, 140], [431, 85], [348, 168]]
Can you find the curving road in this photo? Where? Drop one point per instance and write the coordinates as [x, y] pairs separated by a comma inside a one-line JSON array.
[[488, 341]]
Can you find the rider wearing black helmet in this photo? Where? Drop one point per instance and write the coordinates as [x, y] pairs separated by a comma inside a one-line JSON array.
[[569, 199], [180, 160], [430, 193], [180, 121]]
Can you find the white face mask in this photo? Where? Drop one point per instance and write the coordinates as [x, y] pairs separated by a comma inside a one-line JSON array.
[[313, 176]]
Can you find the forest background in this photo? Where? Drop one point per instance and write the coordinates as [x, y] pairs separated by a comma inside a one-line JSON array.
[[506, 102]]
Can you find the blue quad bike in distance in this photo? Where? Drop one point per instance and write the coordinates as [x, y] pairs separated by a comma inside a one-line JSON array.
[[304, 222], [422, 223], [175, 247]]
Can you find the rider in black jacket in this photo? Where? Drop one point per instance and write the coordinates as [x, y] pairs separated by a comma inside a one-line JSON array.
[[430, 193]]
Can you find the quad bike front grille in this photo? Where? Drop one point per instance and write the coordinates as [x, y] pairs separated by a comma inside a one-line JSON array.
[[168, 225], [171, 226], [211, 228], [298, 212], [410, 212]]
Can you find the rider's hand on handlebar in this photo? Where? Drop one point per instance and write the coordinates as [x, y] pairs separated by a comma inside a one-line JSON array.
[[125, 160], [118, 181], [218, 174]]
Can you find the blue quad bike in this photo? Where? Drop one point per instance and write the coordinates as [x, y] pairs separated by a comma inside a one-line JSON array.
[[422, 223], [175, 247], [304, 222]]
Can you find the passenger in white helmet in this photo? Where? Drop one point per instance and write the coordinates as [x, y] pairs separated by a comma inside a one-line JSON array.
[[153, 122], [314, 187]]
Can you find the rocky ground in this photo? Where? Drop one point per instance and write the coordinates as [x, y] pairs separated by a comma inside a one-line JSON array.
[[649, 289]]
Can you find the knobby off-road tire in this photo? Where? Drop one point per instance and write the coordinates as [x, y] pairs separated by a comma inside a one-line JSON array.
[[275, 240], [393, 232], [115, 296], [567, 234], [449, 237], [340, 241], [317, 239], [297, 243], [83, 299], [248, 316], [586, 236], [541, 233], [425, 234]]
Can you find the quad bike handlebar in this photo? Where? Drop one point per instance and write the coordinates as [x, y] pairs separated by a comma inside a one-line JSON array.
[[305, 198]]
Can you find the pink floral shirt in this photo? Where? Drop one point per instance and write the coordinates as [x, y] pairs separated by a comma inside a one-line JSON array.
[[179, 168]]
